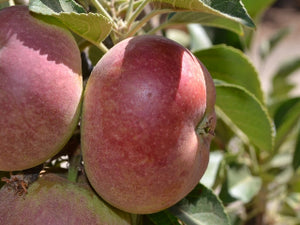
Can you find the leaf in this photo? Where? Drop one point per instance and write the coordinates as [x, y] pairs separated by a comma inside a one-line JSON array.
[[93, 27], [205, 19], [163, 217], [243, 110], [231, 9], [256, 7], [49, 7], [199, 37], [286, 117], [296, 156], [4, 4], [281, 85], [200, 207], [290, 207], [209, 177], [231, 65], [241, 184]]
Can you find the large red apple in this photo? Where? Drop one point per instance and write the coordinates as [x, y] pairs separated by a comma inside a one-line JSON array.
[[54, 200], [40, 89], [142, 104]]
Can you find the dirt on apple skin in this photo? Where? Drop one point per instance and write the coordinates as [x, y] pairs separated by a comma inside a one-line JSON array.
[[142, 104], [40, 89], [54, 200]]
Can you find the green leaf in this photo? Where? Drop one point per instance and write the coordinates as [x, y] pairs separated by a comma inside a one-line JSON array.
[[291, 206], [296, 156], [281, 85], [231, 65], [206, 19], [256, 7], [286, 118], [4, 4], [93, 27], [241, 184], [231, 9], [199, 37], [238, 106], [209, 177], [163, 217], [200, 207]]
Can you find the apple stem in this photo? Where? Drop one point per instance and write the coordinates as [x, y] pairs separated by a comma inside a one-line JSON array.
[[102, 47], [74, 166]]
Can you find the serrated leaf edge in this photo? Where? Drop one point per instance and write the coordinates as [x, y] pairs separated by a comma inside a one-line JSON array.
[[264, 109]]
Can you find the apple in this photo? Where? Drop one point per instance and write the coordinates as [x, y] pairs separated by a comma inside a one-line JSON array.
[[55, 200], [40, 89], [142, 105]]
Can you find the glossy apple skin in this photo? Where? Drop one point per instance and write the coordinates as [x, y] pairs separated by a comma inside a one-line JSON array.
[[142, 104], [40, 89], [55, 200]]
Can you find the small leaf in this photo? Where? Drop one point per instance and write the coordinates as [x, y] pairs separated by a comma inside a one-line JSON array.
[[163, 217], [231, 9], [215, 158], [245, 112], [232, 66], [296, 156], [241, 184], [281, 85], [286, 118], [200, 207], [256, 7], [93, 27], [199, 37]]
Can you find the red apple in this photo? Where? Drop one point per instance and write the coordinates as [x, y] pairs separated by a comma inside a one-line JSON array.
[[40, 89], [142, 104], [54, 200]]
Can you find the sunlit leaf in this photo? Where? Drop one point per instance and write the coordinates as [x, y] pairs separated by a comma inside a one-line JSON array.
[[231, 65], [200, 207], [245, 112], [241, 184], [93, 27], [210, 174], [199, 37]]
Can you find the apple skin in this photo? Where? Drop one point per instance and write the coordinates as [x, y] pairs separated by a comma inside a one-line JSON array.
[[55, 200], [40, 89], [142, 104]]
